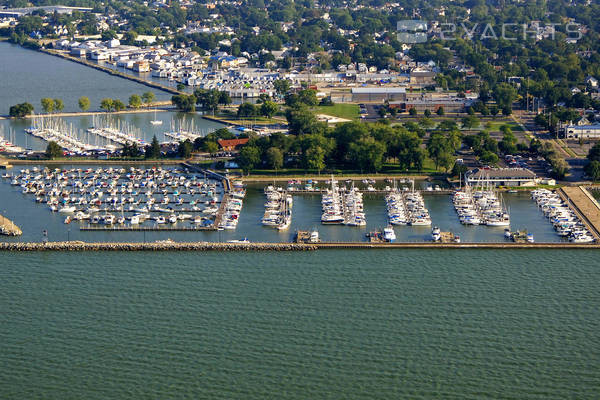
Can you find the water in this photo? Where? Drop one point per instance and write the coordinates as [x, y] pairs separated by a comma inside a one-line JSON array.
[[13, 130], [419, 324], [28, 76], [33, 218]]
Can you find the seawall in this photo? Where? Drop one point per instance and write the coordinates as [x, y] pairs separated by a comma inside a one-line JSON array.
[[219, 246]]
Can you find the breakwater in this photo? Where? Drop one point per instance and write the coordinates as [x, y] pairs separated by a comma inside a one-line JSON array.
[[250, 246], [153, 246], [111, 71]]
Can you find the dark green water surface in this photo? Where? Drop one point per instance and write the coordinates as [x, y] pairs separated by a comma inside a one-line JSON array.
[[418, 324]]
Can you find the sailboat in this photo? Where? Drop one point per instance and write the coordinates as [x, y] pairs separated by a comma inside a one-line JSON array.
[[156, 121]]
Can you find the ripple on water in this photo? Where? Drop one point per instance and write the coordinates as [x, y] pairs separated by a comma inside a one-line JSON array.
[[329, 324]]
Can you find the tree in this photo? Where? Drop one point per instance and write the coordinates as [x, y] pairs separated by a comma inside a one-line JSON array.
[[459, 169], [282, 86], [594, 153], [47, 105], [308, 97], [246, 110], [185, 149], [184, 102], [153, 151], [148, 97], [592, 169], [426, 123], [106, 104], [470, 122], [20, 110], [440, 111], [487, 157], [118, 105], [59, 105], [302, 121], [367, 154], [248, 158], [268, 108], [275, 158], [180, 87], [427, 113], [412, 111], [84, 103], [505, 94], [211, 147], [53, 150], [135, 101]]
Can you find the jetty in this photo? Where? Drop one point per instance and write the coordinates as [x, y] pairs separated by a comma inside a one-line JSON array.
[[111, 71], [170, 245], [584, 205], [8, 228]]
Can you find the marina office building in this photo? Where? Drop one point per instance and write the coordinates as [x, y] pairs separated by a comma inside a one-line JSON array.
[[501, 177]]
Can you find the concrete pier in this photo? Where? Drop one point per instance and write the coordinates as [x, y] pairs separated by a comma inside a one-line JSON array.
[[7, 227], [584, 205]]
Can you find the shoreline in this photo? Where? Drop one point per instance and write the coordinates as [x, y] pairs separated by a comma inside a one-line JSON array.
[[78, 246], [111, 71], [90, 113]]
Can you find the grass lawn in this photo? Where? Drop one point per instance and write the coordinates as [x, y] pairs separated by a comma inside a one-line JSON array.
[[495, 125], [340, 110]]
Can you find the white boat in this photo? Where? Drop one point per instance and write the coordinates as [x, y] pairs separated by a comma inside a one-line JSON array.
[[436, 234], [314, 237], [388, 234], [244, 240], [156, 121], [67, 209], [135, 220]]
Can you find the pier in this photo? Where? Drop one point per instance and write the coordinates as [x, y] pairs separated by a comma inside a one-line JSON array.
[[8, 228], [156, 228], [584, 205]]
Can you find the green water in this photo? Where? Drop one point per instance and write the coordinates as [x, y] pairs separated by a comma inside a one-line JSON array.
[[419, 324]]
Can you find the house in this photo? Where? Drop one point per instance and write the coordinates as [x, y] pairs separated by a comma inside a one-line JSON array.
[[591, 82], [232, 144]]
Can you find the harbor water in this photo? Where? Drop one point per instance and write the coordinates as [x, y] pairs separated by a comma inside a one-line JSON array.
[[34, 218], [419, 324]]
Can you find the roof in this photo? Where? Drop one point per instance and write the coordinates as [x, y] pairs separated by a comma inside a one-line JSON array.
[[583, 127], [232, 142], [496, 173], [378, 90]]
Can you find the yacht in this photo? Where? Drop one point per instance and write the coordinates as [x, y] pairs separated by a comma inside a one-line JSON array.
[[388, 234]]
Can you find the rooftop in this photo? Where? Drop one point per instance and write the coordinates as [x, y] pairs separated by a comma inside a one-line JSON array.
[[495, 173]]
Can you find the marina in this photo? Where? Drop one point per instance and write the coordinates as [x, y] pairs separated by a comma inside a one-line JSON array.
[[128, 199], [237, 211]]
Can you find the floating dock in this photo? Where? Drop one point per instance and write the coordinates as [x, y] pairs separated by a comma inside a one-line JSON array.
[[8, 228], [584, 205]]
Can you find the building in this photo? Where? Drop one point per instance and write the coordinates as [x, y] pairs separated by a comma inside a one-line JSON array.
[[582, 131], [423, 78], [378, 94], [501, 177], [232, 144]]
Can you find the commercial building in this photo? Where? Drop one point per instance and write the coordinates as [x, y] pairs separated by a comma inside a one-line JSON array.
[[501, 177], [378, 94], [582, 131]]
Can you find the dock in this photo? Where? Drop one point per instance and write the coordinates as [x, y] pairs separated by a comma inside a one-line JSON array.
[[8, 228], [156, 228], [584, 205]]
